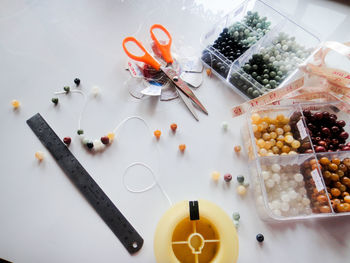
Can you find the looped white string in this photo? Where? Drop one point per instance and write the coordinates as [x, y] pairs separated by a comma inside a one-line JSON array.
[[154, 183], [120, 125]]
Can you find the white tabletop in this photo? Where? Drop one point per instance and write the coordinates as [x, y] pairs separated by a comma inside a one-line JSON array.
[[44, 45]]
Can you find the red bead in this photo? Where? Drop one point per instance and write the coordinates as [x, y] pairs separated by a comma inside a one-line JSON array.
[[105, 139], [67, 140], [320, 149]]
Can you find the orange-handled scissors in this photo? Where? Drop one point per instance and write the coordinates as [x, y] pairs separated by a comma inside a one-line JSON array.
[[168, 71]]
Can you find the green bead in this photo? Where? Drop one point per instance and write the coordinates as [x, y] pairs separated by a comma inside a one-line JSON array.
[[254, 74], [54, 100], [80, 132], [266, 76], [66, 88], [272, 74], [236, 216], [268, 86], [265, 81], [256, 93], [240, 179], [250, 90], [255, 67]]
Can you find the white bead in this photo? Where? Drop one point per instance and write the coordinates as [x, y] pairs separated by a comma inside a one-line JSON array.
[[305, 201], [292, 195], [285, 198], [275, 167], [276, 212], [270, 183], [265, 175], [98, 145], [276, 177], [224, 125], [95, 91], [302, 191], [85, 140], [293, 211], [285, 207], [292, 184], [298, 177], [275, 204]]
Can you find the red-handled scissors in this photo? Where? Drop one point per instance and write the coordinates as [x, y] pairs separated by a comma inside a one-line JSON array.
[[168, 71]]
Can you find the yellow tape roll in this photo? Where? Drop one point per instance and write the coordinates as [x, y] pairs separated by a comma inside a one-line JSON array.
[[212, 238]]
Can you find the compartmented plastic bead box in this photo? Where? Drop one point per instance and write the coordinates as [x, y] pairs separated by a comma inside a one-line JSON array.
[[256, 49], [299, 159]]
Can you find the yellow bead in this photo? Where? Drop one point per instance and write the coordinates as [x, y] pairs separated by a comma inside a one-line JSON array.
[[292, 152], [272, 127], [280, 138], [265, 125], [255, 118], [266, 136], [295, 144], [254, 127], [268, 145], [111, 136], [275, 150], [263, 152], [39, 155], [241, 190], [257, 134], [215, 175], [285, 149], [279, 131], [283, 153], [261, 143], [270, 154], [288, 139], [260, 128], [273, 135], [280, 117], [279, 144], [15, 104], [273, 142], [287, 128], [288, 133]]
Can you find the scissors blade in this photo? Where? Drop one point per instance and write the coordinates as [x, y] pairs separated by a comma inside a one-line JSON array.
[[188, 103], [180, 84]]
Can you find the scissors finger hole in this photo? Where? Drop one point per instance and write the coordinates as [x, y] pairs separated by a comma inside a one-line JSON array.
[[161, 36], [134, 49]]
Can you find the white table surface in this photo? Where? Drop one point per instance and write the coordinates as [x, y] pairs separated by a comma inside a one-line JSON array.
[[44, 45]]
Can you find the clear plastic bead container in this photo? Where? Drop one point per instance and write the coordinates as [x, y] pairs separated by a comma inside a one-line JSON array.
[[234, 73], [306, 183]]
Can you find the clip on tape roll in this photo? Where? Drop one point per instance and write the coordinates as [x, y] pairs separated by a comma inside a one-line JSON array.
[[119, 225]]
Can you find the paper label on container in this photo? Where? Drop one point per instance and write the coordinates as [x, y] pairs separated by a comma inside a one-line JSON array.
[[317, 179], [301, 129]]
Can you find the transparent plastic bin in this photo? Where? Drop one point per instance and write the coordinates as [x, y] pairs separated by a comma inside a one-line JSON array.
[[233, 73], [297, 186]]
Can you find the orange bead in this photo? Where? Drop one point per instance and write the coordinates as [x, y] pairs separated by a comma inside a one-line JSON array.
[[157, 133], [237, 148], [182, 147], [208, 70], [173, 127]]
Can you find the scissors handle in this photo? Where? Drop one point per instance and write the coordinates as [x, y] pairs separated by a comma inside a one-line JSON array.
[[164, 48], [146, 58]]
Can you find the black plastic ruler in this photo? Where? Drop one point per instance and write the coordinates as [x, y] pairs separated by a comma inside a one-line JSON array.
[[120, 226]]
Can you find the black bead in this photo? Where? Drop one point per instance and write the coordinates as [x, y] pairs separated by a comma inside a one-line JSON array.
[[260, 238], [77, 81], [90, 145]]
